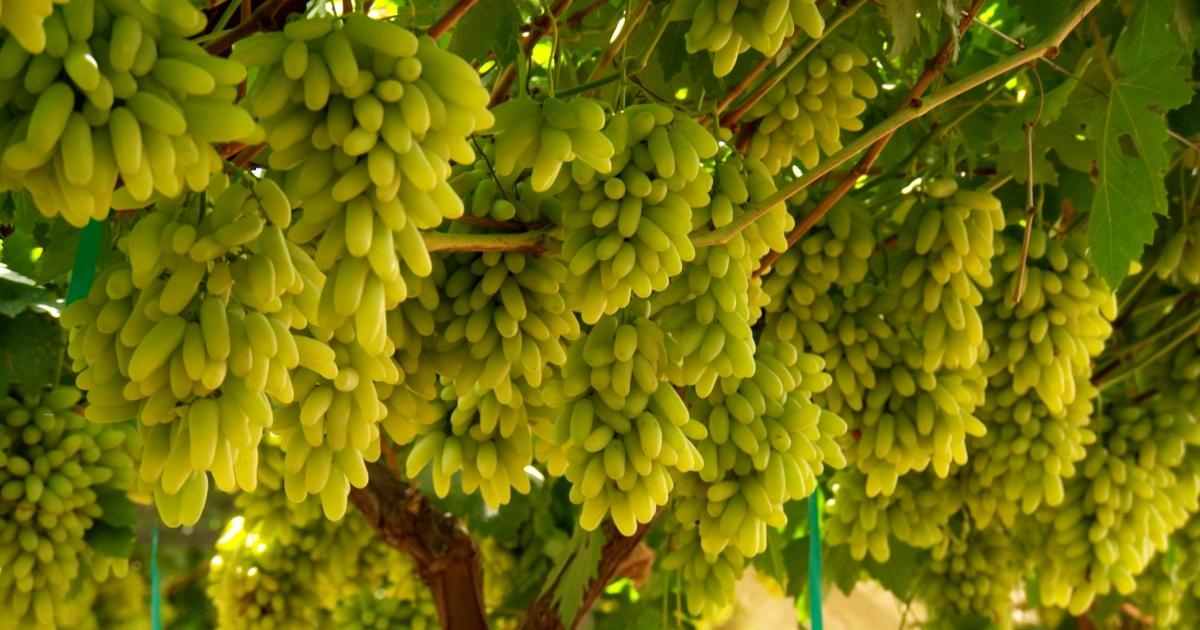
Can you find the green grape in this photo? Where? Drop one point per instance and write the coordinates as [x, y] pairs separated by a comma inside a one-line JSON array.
[[112, 91], [804, 115], [708, 581], [485, 438], [1179, 257], [915, 513], [941, 260], [544, 135], [767, 442], [707, 310], [973, 572], [1028, 453], [622, 427], [835, 253], [628, 227], [1137, 484], [55, 468], [365, 118], [189, 332], [1169, 590], [371, 609], [117, 602], [728, 28]]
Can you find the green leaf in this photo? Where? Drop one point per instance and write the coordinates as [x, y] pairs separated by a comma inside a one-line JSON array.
[[1131, 133], [771, 562], [116, 508], [902, 15], [1042, 15], [112, 541], [58, 257], [30, 347], [901, 571], [488, 27], [579, 563]]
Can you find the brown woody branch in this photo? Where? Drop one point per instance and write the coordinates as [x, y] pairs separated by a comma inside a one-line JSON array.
[[933, 69], [268, 16], [543, 614], [447, 21], [446, 557]]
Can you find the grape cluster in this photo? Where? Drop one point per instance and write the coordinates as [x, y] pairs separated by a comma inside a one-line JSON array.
[[369, 609], [1137, 484], [804, 115], [708, 309], [546, 135], [622, 427], [190, 332], [709, 581], [54, 467], [108, 91], [627, 227], [973, 572], [916, 513], [728, 28], [364, 117], [23, 21], [767, 443], [1179, 259], [835, 253]]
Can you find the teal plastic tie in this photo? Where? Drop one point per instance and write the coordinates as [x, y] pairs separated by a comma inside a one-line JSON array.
[[814, 560], [155, 583], [86, 255]]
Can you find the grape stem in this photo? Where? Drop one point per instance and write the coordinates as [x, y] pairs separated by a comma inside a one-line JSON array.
[[267, 14], [447, 559], [532, 242], [536, 30], [873, 141], [447, 21]]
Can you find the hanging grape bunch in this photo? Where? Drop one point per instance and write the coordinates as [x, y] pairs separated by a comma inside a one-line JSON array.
[[113, 91], [804, 115], [190, 333], [916, 512], [729, 28], [57, 469], [546, 135]]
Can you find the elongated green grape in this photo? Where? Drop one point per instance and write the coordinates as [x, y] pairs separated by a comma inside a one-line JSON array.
[[728, 28], [547, 135], [627, 228], [915, 513], [57, 467], [834, 253], [189, 332], [112, 91], [804, 115], [974, 572], [709, 581]]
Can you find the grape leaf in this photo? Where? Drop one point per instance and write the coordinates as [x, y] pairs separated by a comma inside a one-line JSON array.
[[580, 563], [58, 256], [112, 541], [476, 33], [1043, 15], [30, 346], [902, 15], [1131, 134], [116, 508]]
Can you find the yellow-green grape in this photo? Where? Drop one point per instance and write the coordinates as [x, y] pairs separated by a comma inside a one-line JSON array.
[[1138, 483], [498, 566], [190, 333], [485, 438], [365, 118], [22, 21], [708, 581], [371, 610], [942, 259], [627, 228], [835, 253], [767, 443], [1061, 323], [113, 91], [1169, 590], [728, 28], [543, 135], [803, 116], [282, 564], [622, 427], [973, 572], [54, 466], [332, 428], [1179, 257], [510, 198], [1028, 453], [116, 602], [915, 513], [707, 310], [505, 322]]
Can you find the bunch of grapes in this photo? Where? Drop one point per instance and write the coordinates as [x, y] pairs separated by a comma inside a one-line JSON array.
[[707, 310], [834, 253], [916, 513], [627, 227], [974, 571], [1179, 258], [190, 332], [371, 609], [548, 134], [728, 28], [23, 20], [622, 427], [365, 118], [767, 443], [708, 581], [1137, 484], [804, 115], [109, 91], [54, 468]]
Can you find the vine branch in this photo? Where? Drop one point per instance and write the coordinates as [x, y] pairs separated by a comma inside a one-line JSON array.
[[537, 30], [888, 126], [447, 21]]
